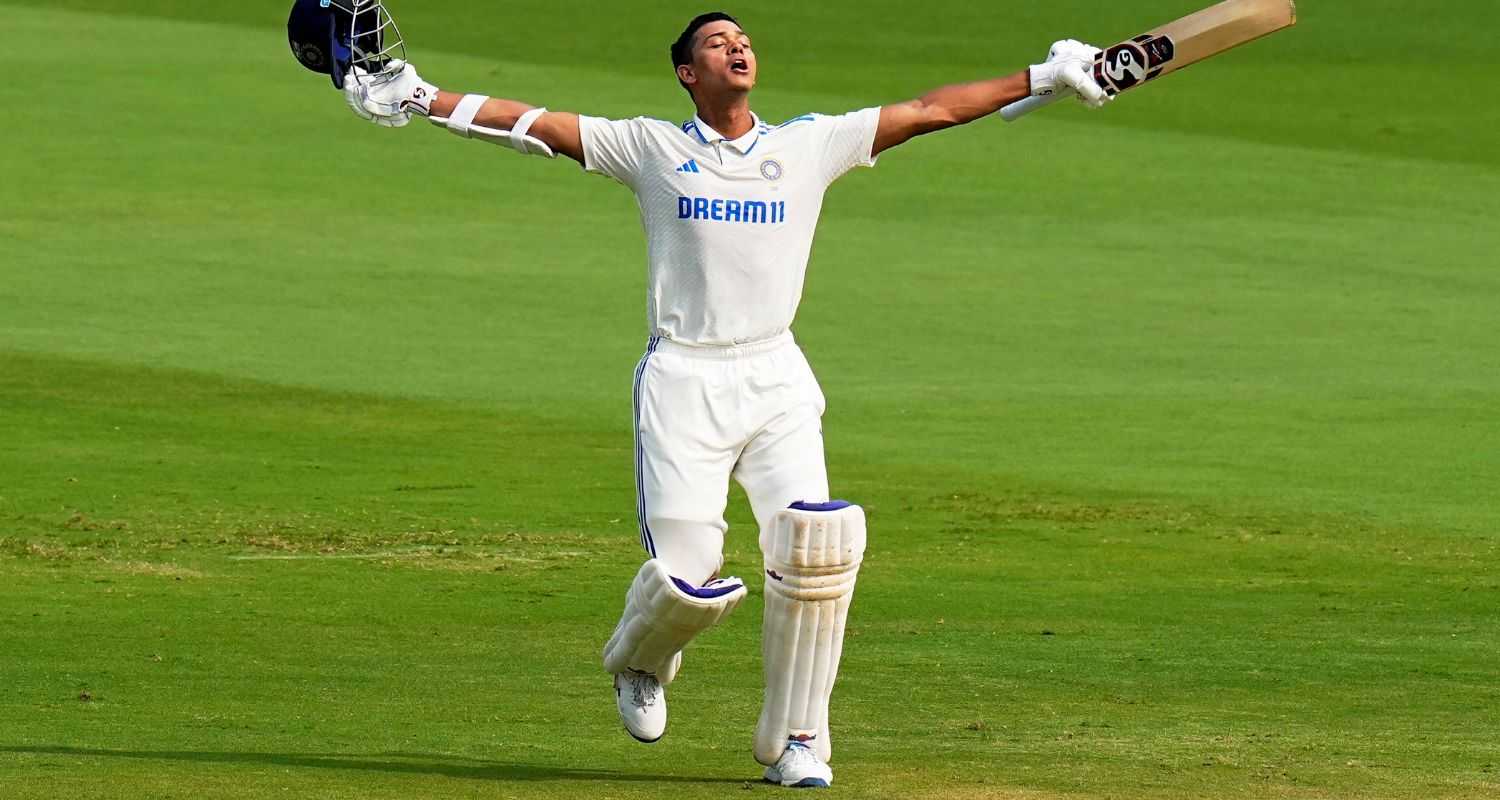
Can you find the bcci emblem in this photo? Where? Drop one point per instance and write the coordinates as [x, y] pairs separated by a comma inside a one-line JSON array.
[[770, 169]]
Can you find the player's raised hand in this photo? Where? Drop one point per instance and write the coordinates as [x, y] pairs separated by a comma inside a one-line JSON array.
[[358, 96], [390, 97], [1066, 71]]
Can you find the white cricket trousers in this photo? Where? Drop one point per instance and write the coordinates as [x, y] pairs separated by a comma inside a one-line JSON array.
[[703, 414]]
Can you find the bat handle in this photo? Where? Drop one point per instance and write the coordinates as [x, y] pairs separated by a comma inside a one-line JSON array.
[[1025, 106]]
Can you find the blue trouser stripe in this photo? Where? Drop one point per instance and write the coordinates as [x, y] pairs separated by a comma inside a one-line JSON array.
[[640, 451]]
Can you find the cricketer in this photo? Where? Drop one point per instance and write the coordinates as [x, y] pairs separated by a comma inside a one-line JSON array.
[[729, 203]]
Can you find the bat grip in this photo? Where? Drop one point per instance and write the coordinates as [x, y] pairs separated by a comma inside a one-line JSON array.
[[1025, 106]]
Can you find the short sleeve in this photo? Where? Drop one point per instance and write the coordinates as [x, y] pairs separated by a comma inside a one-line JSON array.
[[613, 147], [847, 141]]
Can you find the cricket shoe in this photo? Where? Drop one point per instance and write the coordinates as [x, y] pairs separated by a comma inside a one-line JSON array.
[[643, 705], [800, 768]]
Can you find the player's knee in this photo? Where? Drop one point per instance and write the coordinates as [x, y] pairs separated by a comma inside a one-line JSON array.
[[772, 502], [691, 550]]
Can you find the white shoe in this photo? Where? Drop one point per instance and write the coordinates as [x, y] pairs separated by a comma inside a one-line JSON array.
[[643, 705], [799, 767]]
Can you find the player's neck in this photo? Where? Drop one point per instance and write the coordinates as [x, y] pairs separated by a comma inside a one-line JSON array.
[[730, 116]]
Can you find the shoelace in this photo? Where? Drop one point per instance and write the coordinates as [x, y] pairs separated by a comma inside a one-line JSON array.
[[800, 752], [643, 690]]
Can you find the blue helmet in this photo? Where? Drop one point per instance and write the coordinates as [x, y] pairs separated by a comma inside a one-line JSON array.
[[334, 36]]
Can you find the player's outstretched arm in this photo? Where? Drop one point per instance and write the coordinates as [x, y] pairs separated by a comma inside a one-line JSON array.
[[393, 97], [946, 107], [558, 129], [1063, 71]]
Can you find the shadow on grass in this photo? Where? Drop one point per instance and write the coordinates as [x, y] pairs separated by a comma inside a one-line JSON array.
[[403, 763]]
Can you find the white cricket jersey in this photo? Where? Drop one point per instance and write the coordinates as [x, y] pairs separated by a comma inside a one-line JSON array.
[[729, 222]]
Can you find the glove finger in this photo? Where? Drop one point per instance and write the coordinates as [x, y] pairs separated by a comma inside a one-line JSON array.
[[1080, 81], [357, 108], [360, 99], [1094, 99], [386, 79], [398, 120], [378, 108], [1092, 94], [1071, 74]]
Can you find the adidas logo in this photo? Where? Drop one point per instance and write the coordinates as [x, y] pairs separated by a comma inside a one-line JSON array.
[[690, 166]]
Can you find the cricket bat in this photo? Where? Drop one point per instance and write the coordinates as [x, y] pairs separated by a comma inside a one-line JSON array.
[[1175, 45]]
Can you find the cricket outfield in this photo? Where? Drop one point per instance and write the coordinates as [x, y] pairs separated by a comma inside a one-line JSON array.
[[1181, 462]]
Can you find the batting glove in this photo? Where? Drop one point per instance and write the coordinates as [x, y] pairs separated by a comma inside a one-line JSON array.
[[1072, 48], [1067, 70], [390, 97]]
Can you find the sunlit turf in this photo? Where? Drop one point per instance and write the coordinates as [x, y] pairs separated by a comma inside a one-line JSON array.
[[1180, 458]]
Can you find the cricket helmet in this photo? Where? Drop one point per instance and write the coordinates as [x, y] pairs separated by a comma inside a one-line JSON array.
[[335, 36]]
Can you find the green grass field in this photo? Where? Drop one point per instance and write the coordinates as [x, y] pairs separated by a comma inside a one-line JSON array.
[[311, 492]]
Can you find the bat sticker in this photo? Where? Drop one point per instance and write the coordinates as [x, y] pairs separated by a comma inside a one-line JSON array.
[[1132, 63]]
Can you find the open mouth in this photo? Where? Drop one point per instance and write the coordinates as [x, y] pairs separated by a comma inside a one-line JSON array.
[[739, 66]]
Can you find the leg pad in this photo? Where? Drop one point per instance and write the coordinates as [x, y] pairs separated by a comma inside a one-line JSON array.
[[812, 556], [662, 614]]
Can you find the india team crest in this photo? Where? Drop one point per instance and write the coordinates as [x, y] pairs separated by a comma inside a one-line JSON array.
[[771, 170]]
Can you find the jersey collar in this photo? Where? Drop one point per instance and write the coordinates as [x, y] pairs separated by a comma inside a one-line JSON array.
[[701, 131]]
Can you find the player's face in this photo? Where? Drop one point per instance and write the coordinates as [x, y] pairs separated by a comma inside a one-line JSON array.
[[723, 59]]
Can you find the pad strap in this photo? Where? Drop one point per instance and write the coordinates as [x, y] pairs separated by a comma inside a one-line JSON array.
[[461, 123], [518, 137], [463, 114]]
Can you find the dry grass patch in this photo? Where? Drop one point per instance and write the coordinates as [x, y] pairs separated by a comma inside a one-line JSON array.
[[174, 571]]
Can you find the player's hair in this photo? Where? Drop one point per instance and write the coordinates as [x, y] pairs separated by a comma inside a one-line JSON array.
[[682, 49]]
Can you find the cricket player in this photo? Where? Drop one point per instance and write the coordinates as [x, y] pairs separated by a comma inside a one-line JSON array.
[[729, 203]]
